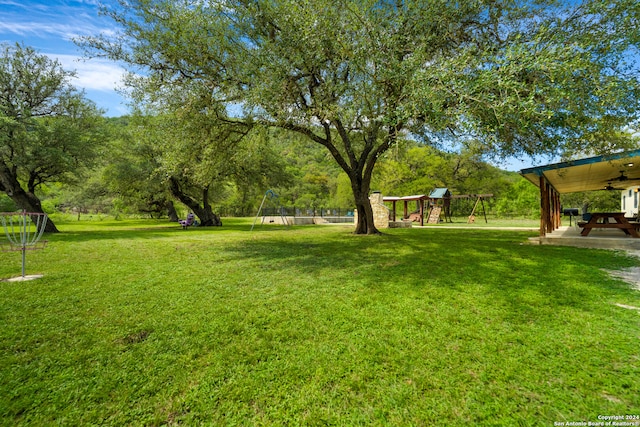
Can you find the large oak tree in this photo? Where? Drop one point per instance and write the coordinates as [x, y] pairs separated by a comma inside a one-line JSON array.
[[528, 77], [200, 150], [48, 131]]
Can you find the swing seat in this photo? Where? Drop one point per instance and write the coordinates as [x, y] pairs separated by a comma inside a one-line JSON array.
[[187, 222]]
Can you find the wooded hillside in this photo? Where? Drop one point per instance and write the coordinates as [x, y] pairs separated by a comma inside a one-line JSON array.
[[131, 179]]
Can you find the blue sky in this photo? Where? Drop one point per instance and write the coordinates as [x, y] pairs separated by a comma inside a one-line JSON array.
[[49, 27]]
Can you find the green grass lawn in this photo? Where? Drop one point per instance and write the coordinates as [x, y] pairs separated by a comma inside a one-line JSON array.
[[141, 323]]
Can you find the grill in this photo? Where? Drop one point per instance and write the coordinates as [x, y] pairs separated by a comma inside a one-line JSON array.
[[571, 212]]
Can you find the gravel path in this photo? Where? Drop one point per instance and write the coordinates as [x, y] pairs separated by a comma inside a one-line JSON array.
[[630, 275]]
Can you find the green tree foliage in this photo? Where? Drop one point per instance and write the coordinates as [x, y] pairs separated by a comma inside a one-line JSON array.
[[418, 169], [256, 166], [48, 131], [192, 159], [132, 174], [6, 204], [593, 201], [203, 153], [313, 175], [521, 198], [202, 157], [353, 76], [91, 195]]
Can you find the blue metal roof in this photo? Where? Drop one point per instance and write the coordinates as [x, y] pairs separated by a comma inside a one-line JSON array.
[[589, 174], [439, 193], [539, 170]]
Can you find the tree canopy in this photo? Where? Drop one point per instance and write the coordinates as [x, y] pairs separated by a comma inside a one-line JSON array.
[[48, 131], [356, 75]]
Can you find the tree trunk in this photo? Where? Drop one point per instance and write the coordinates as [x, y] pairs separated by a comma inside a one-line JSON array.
[[205, 215], [359, 168], [171, 211], [365, 223], [25, 200], [208, 217]]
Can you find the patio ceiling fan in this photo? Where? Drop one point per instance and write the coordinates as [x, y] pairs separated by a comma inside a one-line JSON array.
[[621, 178], [610, 187]]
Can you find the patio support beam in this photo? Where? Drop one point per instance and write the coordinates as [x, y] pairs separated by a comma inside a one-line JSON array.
[[544, 206], [557, 211], [550, 212], [550, 208], [552, 196]]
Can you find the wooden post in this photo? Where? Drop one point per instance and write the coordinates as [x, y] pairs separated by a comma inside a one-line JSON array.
[[472, 217], [554, 218], [552, 195], [549, 208], [544, 206], [558, 221], [484, 212]]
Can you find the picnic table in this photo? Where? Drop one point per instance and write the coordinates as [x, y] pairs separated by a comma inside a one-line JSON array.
[[603, 220]]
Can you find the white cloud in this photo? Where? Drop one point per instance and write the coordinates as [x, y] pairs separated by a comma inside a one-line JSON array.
[[49, 28], [92, 74], [61, 21]]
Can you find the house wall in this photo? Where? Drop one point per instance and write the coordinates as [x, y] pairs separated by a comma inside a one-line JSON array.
[[629, 201]]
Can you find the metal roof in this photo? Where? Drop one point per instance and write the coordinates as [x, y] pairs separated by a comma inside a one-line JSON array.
[[439, 193], [614, 172], [395, 199]]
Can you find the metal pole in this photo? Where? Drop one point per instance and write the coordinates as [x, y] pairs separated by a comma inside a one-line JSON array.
[[23, 239], [259, 210], [24, 260]]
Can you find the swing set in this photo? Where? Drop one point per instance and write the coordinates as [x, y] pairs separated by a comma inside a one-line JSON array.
[[436, 204], [270, 197], [472, 218]]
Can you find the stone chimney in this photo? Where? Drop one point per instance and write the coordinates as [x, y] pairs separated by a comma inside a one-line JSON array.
[[380, 211]]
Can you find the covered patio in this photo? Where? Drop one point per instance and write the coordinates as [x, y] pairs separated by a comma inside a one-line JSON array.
[[416, 215], [615, 172]]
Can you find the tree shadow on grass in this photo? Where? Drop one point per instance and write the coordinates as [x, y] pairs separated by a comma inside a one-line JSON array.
[[499, 266], [138, 229], [496, 265]]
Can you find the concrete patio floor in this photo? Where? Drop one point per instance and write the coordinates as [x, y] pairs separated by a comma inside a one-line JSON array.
[[598, 238]]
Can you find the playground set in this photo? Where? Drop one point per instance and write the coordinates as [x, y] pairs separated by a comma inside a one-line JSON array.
[[435, 207]]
